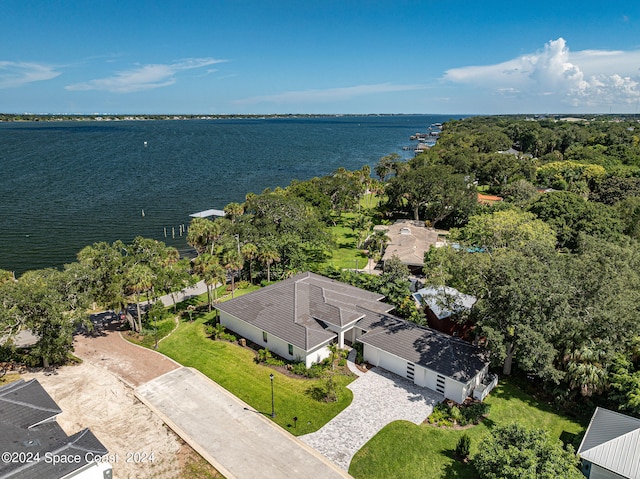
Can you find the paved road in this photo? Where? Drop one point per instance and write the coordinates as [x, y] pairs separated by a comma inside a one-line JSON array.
[[186, 293], [237, 440], [379, 397]]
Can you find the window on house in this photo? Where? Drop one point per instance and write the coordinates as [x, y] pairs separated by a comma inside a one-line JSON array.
[[264, 336], [291, 349]]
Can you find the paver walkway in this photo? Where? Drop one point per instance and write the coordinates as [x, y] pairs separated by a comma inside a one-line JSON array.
[[236, 439], [379, 397]]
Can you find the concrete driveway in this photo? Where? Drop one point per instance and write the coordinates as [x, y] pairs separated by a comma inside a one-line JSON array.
[[379, 397], [238, 441]]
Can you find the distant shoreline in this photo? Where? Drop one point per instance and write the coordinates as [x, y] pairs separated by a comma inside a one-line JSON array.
[[11, 117], [28, 117]]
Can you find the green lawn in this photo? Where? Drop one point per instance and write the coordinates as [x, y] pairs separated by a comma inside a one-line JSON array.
[[234, 368], [345, 255], [149, 336], [404, 450]]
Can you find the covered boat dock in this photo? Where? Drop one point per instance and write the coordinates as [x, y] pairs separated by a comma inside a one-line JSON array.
[[207, 213]]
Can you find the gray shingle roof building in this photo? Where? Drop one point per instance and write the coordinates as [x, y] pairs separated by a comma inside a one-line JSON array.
[[446, 355], [299, 317], [298, 309], [30, 434], [611, 446]]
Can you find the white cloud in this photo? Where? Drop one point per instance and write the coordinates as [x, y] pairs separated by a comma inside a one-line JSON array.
[[144, 77], [15, 74], [328, 95], [588, 78]]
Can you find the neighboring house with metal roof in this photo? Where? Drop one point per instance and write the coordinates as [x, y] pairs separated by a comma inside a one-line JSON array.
[[611, 446], [33, 444], [300, 317], [443, 306]]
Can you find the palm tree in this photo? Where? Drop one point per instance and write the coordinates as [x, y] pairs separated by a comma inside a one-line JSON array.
[[171, 255], [233, 210], [360, 226], [250, 252], [267, 256], [378, 240], [234, 263], [205, 266], [139, 280], [203, 234], [585, 369], [218, 276], [335, 354]]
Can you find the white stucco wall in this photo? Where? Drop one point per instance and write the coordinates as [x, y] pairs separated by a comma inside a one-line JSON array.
[[353, 334], [455, 391], [317, 355], [380, 358], [273, 343], [430, 378]]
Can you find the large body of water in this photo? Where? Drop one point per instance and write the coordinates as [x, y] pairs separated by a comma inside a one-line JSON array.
[[65, 185]]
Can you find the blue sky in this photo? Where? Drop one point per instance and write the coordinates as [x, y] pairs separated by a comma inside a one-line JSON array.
[[309, 56]]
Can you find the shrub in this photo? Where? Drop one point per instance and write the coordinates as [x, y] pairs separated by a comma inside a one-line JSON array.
[[315, 371], [263, 355], [228, 337], [299, 368], [473, 413], [455, 414], [216, 331], [463, 447], [243, 284], [274, 362], [445, 416], [440, 413]]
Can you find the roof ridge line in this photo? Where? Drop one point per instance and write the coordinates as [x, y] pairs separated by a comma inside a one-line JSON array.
[[33, 406]]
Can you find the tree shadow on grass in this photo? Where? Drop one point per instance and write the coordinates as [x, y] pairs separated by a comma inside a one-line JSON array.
[[457, 469], [316, 393], [571, 438]]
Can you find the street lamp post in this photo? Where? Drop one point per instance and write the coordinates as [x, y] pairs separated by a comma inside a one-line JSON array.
[[273, 407]]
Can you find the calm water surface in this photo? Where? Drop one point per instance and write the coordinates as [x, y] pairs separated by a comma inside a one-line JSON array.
[[67, 185]]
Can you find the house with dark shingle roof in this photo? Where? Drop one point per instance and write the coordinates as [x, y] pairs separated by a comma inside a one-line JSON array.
[[298, 319], [33, 444], [610, 448]]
